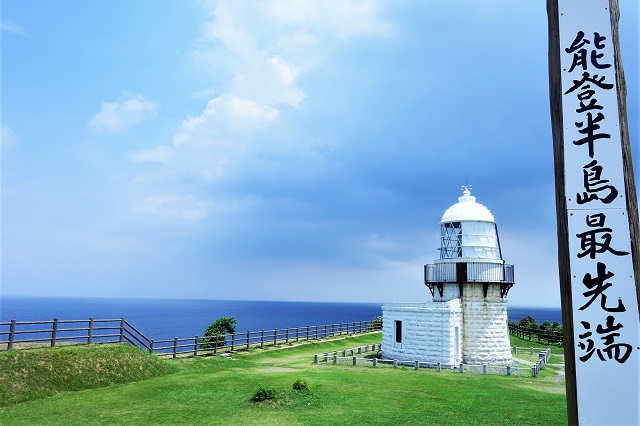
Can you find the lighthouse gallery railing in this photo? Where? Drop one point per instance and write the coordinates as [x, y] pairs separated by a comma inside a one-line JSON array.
[[474, 272]]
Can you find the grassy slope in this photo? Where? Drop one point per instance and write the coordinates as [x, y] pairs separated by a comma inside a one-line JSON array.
[[34, 374], [218, 390]]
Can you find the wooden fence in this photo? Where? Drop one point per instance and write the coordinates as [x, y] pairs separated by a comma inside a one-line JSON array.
[[548, 336], [37, 334]]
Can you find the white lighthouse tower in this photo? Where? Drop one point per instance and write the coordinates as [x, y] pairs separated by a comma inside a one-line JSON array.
[[467, 318]]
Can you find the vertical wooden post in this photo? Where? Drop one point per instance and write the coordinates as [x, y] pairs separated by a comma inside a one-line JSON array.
[[175, 346], [307, 333], [286, 338], [121, 339], [12, 332], [261, 339], [195, 347], [233, 341], [248, 339], [54, 331], [151, 346], [275, 336], [90, 332], [555, 16]]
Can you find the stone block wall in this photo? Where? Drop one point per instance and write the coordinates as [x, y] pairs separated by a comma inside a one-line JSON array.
[[428, 331], [485, 333]]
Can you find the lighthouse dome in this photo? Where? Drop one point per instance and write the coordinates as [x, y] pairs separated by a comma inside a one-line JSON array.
[[467, 209], [469, 232]]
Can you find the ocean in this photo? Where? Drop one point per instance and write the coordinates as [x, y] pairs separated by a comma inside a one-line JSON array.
[[168, 318]]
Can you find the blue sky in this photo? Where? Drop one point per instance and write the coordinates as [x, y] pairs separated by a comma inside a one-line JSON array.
[[273, 150]]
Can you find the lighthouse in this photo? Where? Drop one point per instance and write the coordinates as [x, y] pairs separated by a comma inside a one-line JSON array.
[[466, 320]]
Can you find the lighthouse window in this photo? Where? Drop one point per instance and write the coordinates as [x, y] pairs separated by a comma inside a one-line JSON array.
[[398, 331], [451, 244]]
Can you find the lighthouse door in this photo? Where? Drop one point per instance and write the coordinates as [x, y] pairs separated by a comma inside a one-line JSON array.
[[461, 272]]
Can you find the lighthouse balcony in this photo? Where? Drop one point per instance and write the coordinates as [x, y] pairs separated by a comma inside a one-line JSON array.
[[435, 276]]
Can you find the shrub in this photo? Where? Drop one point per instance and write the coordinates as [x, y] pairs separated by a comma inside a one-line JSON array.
[[215, 334], [528, 322], [264, 393], [546, 325], [301, 385]]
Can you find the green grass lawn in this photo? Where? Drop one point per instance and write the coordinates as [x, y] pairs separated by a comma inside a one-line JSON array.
[[219, 390]]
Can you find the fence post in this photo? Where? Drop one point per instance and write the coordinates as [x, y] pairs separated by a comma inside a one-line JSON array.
[[54, 331], [439, 367], [12, 332], [248, 338], [375, 362], [395, 363], [344, 353], [261, 339], [531, 350], [233, 341], [121, 330], [325, 331], [484, 368], [275, 336], [341, 329], [508, 370], [195, 347], [151, 346], [315, 359], [286, 338], [90, 332], [417, 367], [462, 368], [355, 360], [335, 357], [307, 333], [333, 331], [175, 346]]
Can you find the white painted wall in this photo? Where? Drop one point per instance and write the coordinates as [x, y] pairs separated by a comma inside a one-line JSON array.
[[427, 331]]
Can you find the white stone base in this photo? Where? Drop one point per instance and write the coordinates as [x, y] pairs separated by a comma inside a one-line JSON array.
[[486, 334]]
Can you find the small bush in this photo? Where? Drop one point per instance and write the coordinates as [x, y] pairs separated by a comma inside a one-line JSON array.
[[264, 393], [301, 385]]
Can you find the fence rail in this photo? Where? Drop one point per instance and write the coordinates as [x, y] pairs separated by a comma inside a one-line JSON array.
[[38, 334], [548, 336], [355, 357]]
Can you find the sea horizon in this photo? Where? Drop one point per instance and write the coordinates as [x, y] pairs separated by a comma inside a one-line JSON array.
[[164, 318]]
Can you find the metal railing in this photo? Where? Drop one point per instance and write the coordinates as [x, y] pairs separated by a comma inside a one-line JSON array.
[[474, 272]]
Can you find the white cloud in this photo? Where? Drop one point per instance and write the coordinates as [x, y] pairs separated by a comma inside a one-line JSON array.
[[118, 116], [257, 52], [174, 206], [8, 137], [11, 27]]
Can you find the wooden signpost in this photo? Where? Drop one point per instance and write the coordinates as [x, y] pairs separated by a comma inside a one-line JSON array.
[[597, 213]]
